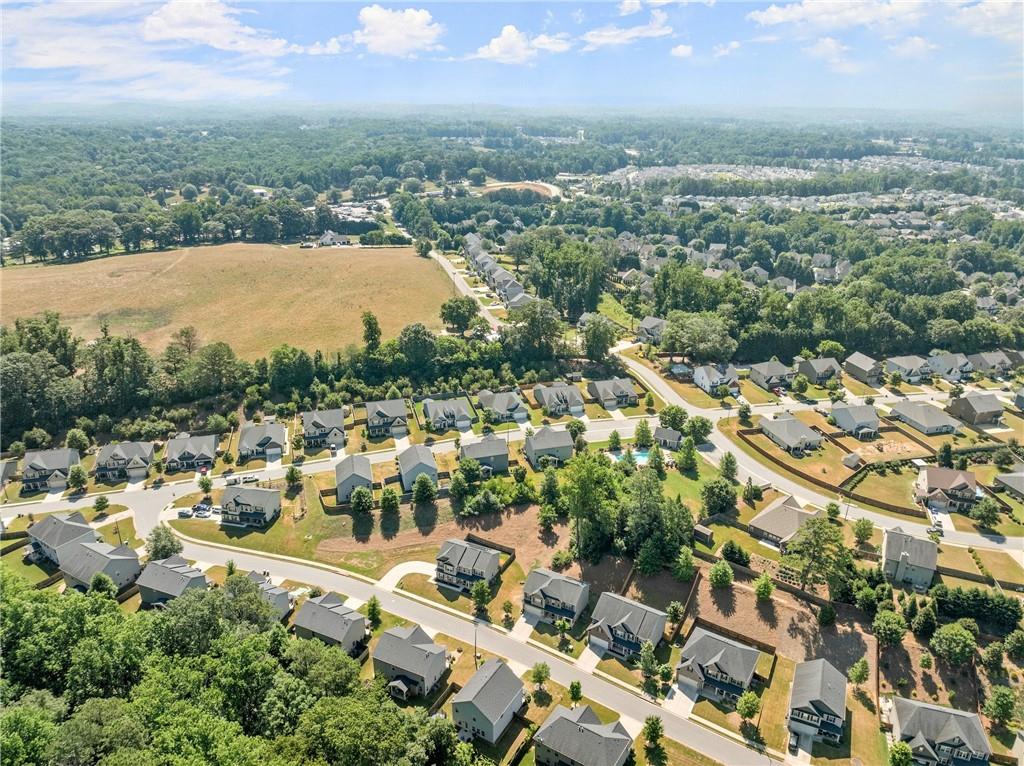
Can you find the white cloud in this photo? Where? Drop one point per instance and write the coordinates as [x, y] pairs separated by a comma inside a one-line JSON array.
[[578, 16], [1001, 19], [628, 7], [682, 51], [515, 47], [613, 35], [402, 33], [914, 47], [833, 53], [841, 15], [559, 43], [214, 24], [725, 49]]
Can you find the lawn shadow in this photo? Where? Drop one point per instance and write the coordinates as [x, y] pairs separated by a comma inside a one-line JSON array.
[[425, 517], [861, 695], [766, 612], [725, 600], [389, 524], [656, 755]]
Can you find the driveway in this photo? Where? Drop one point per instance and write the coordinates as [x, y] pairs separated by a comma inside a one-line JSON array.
[[587, 661], [523, 627], [679, 702], [394, 575]]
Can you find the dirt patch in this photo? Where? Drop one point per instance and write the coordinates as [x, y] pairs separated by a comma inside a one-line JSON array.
[[901, 674], [887, 447]]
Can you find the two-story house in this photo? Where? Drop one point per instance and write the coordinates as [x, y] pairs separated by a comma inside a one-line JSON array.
[[52, 534], [503, 406], [351, 472], [911, 368], [716, 667], [484, 707], [557, 399], [908, 560], [491, 452], [650, 330], [940, 735], [976, 408], [166, 579], [410, 661], [578, 738], [548, 446], [946, 489], [620, 625], [261, 441], [190, 453], [550, 596], [817, 701], [327, 618], [279, 598], [415, 461], [863, 368], [771, 374], [388, 417], [324, 428], [250, 506], [81, 561], [819, 371], [613, 393], [442, 415], [124, 460], [460, 564], [950, 367], [709, 379], [47, 469]]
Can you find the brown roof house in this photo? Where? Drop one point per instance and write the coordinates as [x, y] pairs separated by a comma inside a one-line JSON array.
[[946, 489]]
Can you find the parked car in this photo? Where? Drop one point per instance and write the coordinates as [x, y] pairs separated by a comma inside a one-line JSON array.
[[935, 530], [204, 470], [232, 481], [203, 514], [250, 479], [201, 507], [184, 513], [216, 510], [794, 742]]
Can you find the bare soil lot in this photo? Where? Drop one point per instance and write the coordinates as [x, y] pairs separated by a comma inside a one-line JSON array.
[[252, 296]]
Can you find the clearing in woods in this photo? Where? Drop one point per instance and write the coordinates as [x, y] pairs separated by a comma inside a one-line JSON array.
[[251, 296]]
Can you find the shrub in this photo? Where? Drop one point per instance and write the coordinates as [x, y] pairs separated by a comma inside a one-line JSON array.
[[733, 551], [561, 560], [720, 575]]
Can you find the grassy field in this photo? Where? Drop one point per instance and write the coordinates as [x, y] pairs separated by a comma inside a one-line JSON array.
[[893, 487], [1001, 565], [314, 298]]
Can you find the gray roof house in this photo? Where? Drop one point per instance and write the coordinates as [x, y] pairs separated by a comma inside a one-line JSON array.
[[321, 428], [780, 520], [791, 434], [911, 368], [416, 461], [860, 420], [950, 367], [908, 559], [621, 625], [387, 418], [327, 618], [491, 452], [924, 417], [863, 368], [669, 438], [262, 440], [50, 536], [578, 737], [410, 661], [484, 707], [819, 371], [81, 561], [613, 393], [503, 406], [771, 374], [446, 414], [716, 667], [548, 445], [461, 563], [991, 363], [1018, 399], [938, 734], [47, 469], [550, 596], [1012, 483], [166, 579], [184, 453], [124, 460], [710, 378], [817, 701], [650, 330], [976, 408], [559, 398], [279, 598], [250, 506], [351, 472]]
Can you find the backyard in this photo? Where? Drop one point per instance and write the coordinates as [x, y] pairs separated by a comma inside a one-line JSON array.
[[508, 587]]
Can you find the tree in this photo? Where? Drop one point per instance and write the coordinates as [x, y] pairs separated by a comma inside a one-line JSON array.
[[205, 484], [924, 622], [423, 490], [944, 457], [900, 754], [748, 705], [576, 428], [862, 530], [889, 627], [598, 336], [727, 467], [78, 479], [162, 544], [656, 461], [673, 416], [423, 248], [675, 612], [744, 412], [643, 437], [818, 552], [100, 505], [507, 607], [539, 674], [800, 384], [752, 493], [684, 568], [986, 513], [481, 595], [699, 427], [389, 500], [648, 660], [550, 493], [832, 510], [764, 587], [458, 313], [614, 441], [563, 626], [858, 672], [1014, 645], [1001, 705], [361, 500], [76, 439], [720, 575], [103, 585], [718, 496], [373, 611], [653, 731], [687, 457], [895, 379], [476, 176], [371, 331], [575, 692], [992, 658], [954, 644], [293, 476]]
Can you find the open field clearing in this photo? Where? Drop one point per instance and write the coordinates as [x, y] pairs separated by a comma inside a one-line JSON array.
[[252, 296]]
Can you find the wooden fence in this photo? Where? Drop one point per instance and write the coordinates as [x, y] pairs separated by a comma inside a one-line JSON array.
[[508, 549]]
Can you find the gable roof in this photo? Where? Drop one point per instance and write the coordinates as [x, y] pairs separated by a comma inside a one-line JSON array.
[[938, 477], [170, 576], [613, 388], [386, 408], [771, 369], [549, 438], [489, 446], [909, 362], [446, 409], [559, 586], [407, 648], [936, 723], [860, 361], [353, 465], [323, 420], [979, 402], [705, 648], [653, 324], [920, 551], [668, 434], [501, 401], [125, 451], [790, 430], [613, 610], [83, 560], [51, 459], [200, 446], [782, 518], [463, 553], [823, 364], [492, 688], [818, 685], [252, 496], [416, 455], [924, 413], [328, 616], [57, 529], [261, 435], [558, 392], [580, 736], [851, 416]]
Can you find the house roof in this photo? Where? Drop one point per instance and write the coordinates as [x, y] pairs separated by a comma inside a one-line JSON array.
[[51, 459], [170, 576], [668, 434], [386, 408], [492, 688], [920, 551], [83, 560], [770, 369], [823, 364], [462, 553], [705, 648], [416, 455], [261, 435], [924, 413], [938, 477], [850, 417], [909, 362], [57, 529], [408, 648], [556, 392], [942, 363], [612, 388], [639, 619], [559, 586], [714, 373], [488, 447], [353, 465], [267, 588], [818, 685], [252, 496], [936, 724], [501, 401], [860, 361], [579, 736], [980, 403], [988, 359], [1014, 480], [783, 517], [790, 430], [653, 323], [549, 438], [446, 409], [322, 420], [200, 446], [328, 616], [126, 451]]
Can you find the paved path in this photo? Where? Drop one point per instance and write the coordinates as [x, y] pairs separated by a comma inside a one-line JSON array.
[[463, 287], [394, 575]]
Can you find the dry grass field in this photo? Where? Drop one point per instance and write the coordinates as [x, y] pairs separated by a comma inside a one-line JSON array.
[[252, 296]]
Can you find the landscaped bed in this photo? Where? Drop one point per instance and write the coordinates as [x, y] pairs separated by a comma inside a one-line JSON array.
[[1001, 565]]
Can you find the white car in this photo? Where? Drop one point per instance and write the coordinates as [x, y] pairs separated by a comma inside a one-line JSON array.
[[184, 513]]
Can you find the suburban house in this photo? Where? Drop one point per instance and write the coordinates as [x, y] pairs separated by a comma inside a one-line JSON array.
[[950, 367], [578, 737], [354, 471], [518, 301], [946, 489], [550, 596], [650, 330], [715, 667], [124, 460], [669, 438], [860, 420], [548, 445], [47, 469], [621, 625], [771, 374], [819, 371], [991, 363], [817, 701], [327, 618], [939, 735], [167, 579], [443, 415], [911, 368], [261, 440], [324, 428], [410, 661], [617, 392], [863, 368], [278, 598], [791, 434], [503, 406], [924, 417], [1012, 483], [460, 564], [330, 239], [976, 408], [559, 399], [50, 535], [780, 520], [484, 707], [908, 559], [709, 379], [491, 452], [417, 460], [190, 453], [1018, 399], [387, 418], [81, 561], [250, 506]]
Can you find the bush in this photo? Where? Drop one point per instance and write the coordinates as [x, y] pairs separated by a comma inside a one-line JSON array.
[[561, 560], [684, 567], [423, 490], [827, 615], [720, 575], [733, 551]]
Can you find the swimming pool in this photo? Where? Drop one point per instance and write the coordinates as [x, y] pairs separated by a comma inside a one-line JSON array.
[[639, 455]]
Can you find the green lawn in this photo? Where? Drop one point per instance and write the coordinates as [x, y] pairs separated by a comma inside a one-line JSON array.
[[121, 532], [895, 487], [687, 486], [33, 573], [725, 532], [575, 640], [1002, 565], [508, 587], [610, 307], [754, 394], [857, 388], [629, 672]]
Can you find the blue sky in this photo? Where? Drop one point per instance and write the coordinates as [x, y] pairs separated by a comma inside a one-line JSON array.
[[963, 56]]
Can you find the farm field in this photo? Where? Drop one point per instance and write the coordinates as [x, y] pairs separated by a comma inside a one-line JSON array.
[[151, 295]]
